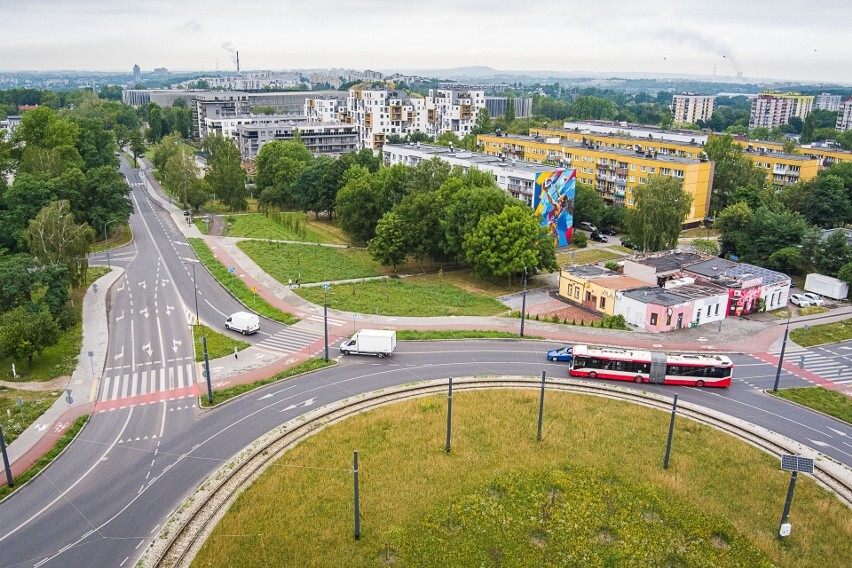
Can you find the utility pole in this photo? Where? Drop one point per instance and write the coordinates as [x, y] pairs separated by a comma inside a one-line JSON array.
[[524, 302], [781, 357]]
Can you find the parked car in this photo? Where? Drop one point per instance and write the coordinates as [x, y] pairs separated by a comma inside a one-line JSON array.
[[608, 231], [625, 242], [586, 226], [596, 236], [800, 300], [815, 299], [563, 354]]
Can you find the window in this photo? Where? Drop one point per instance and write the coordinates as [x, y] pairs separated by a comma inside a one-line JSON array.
[[652, 169], [588, 296], [698, 316], [717, 310], [632, 179], [603, 303], [668, 319], [577, 293], [654, 318], [630, 202], [642, 169]]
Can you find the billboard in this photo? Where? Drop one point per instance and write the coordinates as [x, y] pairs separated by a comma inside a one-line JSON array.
[[553, 201]]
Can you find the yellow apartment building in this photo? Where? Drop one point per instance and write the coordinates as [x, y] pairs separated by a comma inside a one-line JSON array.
[[826, 157], [614, 172]]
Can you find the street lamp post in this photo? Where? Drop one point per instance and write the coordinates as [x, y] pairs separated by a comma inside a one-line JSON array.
[[325, 317], [105, 240], [708, 222], [781, 357], [524, 302], [195, 286]]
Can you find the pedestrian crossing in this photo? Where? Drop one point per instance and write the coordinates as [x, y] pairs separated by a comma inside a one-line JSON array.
[[288, 341], [830, 366], [331, 321], [149, 381]]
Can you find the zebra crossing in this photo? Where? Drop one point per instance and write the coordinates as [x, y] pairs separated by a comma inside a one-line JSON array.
[[331, 321], [820, 361], [288, 341], [146, 382]]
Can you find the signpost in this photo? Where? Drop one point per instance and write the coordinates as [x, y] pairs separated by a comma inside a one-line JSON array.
[[325, 288], [92, 360]]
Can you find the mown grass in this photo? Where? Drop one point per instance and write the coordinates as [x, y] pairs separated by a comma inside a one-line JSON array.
[[417, 335], [237, 287], [217, 207], [408, 297], [310, 263], [45, 460], [623, 249], [260, 226], [699, 233], [587, 256], [60, 359], [299, 512], [811, 310], [120, 237], [218, 344], [15, 419], [820, 399], [230, 392], [202, 223], [823, 333]]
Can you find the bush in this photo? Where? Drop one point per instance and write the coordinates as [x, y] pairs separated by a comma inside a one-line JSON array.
[[614, 322], [579, 239], [611, 265]]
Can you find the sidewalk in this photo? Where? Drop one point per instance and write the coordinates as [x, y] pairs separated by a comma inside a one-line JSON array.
[[81, 390]]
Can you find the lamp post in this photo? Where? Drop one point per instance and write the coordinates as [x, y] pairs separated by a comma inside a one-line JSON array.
[[781, 357], [524, 302], [708, 222], [325, 317], [105, 240], [195, 287]]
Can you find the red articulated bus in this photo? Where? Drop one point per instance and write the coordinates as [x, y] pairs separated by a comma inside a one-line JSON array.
[[651, 367]]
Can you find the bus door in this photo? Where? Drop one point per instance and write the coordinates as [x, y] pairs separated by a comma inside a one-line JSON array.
[[658, 368]]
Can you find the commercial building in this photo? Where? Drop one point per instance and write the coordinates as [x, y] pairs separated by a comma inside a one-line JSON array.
[[319, 137], [654, 309], [613, 171], [749, 287], [828, 101], [595, 288], [689, 108], [228, 126], [771, 109], [497, 106], [844, 116], [514, 176]]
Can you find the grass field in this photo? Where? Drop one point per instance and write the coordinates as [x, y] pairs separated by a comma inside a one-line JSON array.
[[312, 263], [60, 359], [822, 400], [259, 226], [811, 310], [409, 297], [222, 395], [592, 493], [201, 223], [15, 419], [587, 256], [824, 333], [218, 344], [236, 286], [45, 460], [623, 249], [217, 207], [121, 236], [699, 233]]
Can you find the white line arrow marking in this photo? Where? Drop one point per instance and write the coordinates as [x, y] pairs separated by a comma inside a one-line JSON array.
[[305, 404], [120, 355], [837, 431], [164, 281], [265, 396], [143, 284], [175, 344], [821, 444], [169, 309], [121, 317], [144, 311], [43, 427], [147, 348], [120, 288], [217, 369]]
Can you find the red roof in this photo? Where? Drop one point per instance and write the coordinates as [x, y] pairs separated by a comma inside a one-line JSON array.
[[22, 108]]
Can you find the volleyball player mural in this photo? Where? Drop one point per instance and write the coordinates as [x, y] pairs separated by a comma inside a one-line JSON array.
[[553, 200]]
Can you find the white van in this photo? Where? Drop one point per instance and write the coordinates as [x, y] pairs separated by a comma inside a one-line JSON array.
[[244, 322]]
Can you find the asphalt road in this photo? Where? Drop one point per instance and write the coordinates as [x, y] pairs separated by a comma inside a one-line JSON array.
[[103, 500]]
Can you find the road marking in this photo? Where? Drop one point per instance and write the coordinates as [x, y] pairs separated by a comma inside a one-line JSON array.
[[120, 355]]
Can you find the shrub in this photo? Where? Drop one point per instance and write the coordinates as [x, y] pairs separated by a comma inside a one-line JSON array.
[[611, 265], [579, 239]]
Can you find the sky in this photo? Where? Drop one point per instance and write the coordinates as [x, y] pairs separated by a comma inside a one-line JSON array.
[[780, 39]]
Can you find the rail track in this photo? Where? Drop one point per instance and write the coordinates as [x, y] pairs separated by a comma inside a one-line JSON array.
[[190, 525]]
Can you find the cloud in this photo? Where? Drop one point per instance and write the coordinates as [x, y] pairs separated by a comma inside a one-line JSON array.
[[701, 41], [191, 26]]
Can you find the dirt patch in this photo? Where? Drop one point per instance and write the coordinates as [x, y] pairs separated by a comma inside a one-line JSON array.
[[59, 383]]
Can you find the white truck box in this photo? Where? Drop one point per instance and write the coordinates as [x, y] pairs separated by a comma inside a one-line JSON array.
[[244, 322], [826, 286], [381, 342]]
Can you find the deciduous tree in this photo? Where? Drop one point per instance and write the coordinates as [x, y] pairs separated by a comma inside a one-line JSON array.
[[661, 208], [54, 238], [502, 245]]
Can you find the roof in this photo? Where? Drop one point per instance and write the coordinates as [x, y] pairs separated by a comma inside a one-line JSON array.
[[711, 268], [699, 290], [619, 282], [655, 295], [473, 158], [828, 232], [570, 144], [587, 271], [720, 268], [670, 261]]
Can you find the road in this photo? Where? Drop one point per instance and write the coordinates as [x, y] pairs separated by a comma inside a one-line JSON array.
[[103, 500]]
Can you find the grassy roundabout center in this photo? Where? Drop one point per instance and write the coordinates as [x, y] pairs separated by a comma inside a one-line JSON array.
[[592, 493]]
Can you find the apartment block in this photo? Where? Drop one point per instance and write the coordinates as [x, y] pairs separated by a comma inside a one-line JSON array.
[[844, 116], [614, 172], [771, 109], [452, 110], [828, 101], [379, 112], [325, 109], [824, 154], [689, 108], [319, 137]]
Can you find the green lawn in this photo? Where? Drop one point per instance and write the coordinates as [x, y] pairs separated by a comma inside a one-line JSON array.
[[60, 359], [201, 223], [623, 249], [407, 297], [824, 333], [237, 287], [313, 263], [121, 236], [822, 400], [260, 226], [219, 208], [218, 344], [591, 493], [15, 419], [222, 395], [699, 233], [587, 256]]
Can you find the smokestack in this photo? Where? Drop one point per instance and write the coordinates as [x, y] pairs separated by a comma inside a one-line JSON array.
[[238, 63]]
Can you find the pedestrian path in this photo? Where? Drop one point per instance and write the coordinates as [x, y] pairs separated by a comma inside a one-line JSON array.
[[288, 341], [331, 321], [121, 385], [823, 362]]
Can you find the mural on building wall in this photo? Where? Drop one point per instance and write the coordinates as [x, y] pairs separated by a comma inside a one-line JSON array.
[[743, 302], [553, 200]]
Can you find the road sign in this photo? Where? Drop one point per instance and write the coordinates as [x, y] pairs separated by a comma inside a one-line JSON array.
[[232, 270], [325, 286], [20, 402], [91, 353], [253, 288], [797, 463]]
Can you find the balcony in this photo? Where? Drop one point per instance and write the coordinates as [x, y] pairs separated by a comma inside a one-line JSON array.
[[619, 192], [621, 171]]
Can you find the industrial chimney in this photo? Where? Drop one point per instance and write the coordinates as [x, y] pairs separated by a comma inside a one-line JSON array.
[[238, 63]]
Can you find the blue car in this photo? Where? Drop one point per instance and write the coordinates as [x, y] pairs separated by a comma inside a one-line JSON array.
[[563, 354]]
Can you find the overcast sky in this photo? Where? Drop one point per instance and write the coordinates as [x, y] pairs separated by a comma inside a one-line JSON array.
[[782, 39]]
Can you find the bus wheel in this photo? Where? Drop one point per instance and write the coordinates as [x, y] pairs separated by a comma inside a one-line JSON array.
[[593, 375], [699, 384], [638, 379]]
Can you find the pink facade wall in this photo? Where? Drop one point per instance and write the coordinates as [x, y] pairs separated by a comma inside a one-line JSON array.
[[684, 311]]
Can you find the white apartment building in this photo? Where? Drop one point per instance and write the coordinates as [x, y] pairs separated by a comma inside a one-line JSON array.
[[771, 109], [325, 109], [844, 116], [689, 108], [327, 138], [451, 110], [228, 126], [378, 113], [827, 101]]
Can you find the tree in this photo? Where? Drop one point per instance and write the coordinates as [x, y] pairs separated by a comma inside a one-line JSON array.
[[808, 130], [733, 170], [504, 244], [463, 212], [614, 216], [825, 201], [788, 259], [449, 139], [360, 204], [165, 149], [389, 245], [833, 253], [279, 165], [54, 238], [790, 146], [661, 208], [588, 205], [26, 332], [183, 120], [15, 280], [121, 135], [180, 173], [483, 122], [95, 143], [845, 273], [226, 177], [155, 123], [706, 246], [509, 115], [137, 146], [421, 214], [105, 197]]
